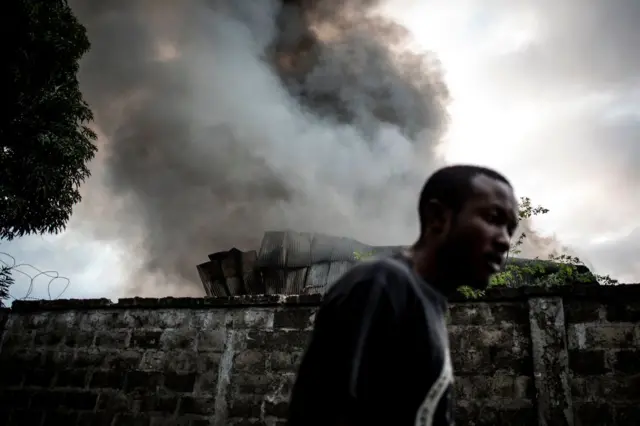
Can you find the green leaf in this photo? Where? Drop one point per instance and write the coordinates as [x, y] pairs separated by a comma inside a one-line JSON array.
[[45, 143]]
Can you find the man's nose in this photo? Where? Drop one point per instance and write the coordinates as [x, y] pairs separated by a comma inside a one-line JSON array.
[[502, 241]]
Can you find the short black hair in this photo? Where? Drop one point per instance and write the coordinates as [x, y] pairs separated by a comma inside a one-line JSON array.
[[452, 187]]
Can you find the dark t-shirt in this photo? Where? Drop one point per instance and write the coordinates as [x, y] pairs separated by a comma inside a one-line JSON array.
[[379, 353]]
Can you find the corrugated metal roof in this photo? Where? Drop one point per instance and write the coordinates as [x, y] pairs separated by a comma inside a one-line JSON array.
[[306, 263]]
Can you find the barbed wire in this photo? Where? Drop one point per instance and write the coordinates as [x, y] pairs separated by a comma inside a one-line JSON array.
[[32, 275]]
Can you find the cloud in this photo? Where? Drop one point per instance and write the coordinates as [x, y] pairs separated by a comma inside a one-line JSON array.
[[619, 256], [588, 45], [57, 266]]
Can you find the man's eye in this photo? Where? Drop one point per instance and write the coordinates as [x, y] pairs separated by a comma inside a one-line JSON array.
[[493, 216], [499, 218]]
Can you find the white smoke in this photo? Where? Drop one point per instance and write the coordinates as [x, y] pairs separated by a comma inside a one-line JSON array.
[[224, 119]]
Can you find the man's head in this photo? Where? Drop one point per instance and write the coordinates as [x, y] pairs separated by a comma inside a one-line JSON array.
[[468, 215]]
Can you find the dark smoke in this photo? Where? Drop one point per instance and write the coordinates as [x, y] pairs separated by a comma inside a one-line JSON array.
[[223, 119], [354, 69]]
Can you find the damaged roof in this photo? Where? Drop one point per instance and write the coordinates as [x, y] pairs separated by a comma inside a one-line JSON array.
[[291, 262]]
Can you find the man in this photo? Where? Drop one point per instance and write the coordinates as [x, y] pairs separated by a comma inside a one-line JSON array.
[[379, 353]]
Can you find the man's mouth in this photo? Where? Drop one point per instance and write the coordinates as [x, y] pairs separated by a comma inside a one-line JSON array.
[[494, 262], [495, 267]]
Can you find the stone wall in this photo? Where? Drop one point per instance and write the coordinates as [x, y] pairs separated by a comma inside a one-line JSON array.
[[525, 356]]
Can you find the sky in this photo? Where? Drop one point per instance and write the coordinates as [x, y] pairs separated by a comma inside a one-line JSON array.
[[545, 92]]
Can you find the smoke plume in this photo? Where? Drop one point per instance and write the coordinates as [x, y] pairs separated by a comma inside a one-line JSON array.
[[222, 119]]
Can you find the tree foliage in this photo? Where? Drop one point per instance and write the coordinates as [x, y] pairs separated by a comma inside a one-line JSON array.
[[6, 280], [45, 143]]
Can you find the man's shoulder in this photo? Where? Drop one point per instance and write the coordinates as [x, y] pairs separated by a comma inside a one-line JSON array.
[[389, 268], [388, 277]]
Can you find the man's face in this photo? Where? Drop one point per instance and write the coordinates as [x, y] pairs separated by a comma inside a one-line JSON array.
[[480, 234]]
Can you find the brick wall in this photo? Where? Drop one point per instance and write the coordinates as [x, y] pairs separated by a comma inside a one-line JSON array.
[[491, 353], [525, 356], [604, 359]]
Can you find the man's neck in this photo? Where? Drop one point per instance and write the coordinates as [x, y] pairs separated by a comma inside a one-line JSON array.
[[423, 262]]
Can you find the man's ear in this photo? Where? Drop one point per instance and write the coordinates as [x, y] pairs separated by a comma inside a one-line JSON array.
[[437, 216]]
